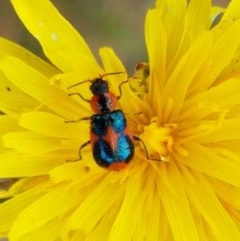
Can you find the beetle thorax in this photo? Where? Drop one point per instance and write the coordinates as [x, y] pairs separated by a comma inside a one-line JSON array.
[[103, 103]]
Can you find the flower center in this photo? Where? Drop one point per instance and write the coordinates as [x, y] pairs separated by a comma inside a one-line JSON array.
[[158, 139]]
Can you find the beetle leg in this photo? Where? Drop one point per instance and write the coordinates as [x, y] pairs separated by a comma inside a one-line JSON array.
[[71, 121], [79, 151], [81, 147], [79, 95], [136, 138]]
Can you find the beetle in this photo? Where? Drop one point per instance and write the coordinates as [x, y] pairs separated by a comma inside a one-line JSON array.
[[110, 138]]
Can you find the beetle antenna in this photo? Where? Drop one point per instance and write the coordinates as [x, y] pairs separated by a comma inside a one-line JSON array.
[[79, 83], [120, 89], [113, 73]]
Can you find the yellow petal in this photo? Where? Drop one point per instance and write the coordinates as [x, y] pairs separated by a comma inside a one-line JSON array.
[[221, 97], [10, 210], [9, 48], [55, 34], [218, 58], [14, 104], [226, 192], [86, 221], [130, 210], [14, 164], [37, 85], [20, 185], [173, 14], [206, 201], [156, 40], [184, 73], [232, 11], [53, 204], [49, 231], [156, 226], [7, 124], [30, 142], [51, 125], [229, 130], [232, 145], [113, 64], [206, 160], [78, 63], [176, 206], [5, 84], [87, 169], [197, 17], [103, 229]]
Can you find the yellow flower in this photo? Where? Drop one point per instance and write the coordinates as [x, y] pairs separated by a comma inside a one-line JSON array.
[[186, 111]]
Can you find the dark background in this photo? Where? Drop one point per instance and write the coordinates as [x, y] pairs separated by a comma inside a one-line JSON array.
[[117, 24]]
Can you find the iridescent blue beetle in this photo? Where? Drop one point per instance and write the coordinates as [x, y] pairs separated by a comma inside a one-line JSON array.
[[110, 138]]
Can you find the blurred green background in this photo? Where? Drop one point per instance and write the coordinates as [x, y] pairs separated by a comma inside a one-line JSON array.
[[118, 24]]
